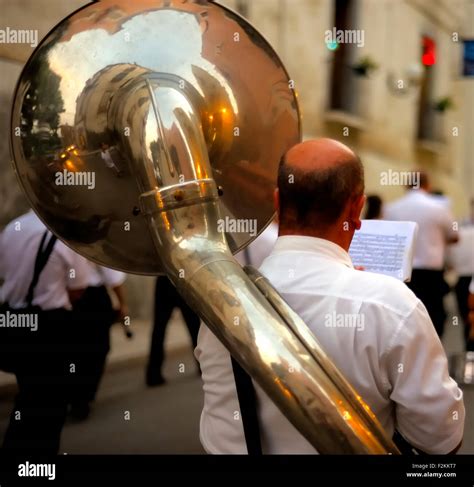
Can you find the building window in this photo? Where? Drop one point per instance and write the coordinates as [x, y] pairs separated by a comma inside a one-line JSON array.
[[345, 80]]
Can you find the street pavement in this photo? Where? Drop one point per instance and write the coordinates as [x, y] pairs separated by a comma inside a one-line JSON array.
[[162, 420], [128, 416]]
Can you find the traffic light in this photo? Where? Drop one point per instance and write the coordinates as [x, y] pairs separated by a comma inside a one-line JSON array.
[[428, 57]]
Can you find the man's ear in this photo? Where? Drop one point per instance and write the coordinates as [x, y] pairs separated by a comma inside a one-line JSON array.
[[356, 210]]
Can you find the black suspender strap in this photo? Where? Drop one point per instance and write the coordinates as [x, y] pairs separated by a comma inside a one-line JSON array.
[[248, 408], [247, 256], [41, 260]]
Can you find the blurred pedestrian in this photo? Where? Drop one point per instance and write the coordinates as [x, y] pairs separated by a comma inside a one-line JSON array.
[[435, 230], [43, 277], [167, 299], [373, 206], [107, 158], [460, 258], [96, 314], [470, 303]]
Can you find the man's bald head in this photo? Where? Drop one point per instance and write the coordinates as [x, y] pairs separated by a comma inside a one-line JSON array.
[[319, 154], [316, 181]]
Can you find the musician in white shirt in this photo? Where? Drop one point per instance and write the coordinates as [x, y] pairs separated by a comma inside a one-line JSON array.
[[394, 359], [63, 279], [96, 314], [436, 230], [43, 356]]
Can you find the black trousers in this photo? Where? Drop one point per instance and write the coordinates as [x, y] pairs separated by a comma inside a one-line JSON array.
[[430, 287], [42, 368], [95, 316], [166, 299], [462, 295]]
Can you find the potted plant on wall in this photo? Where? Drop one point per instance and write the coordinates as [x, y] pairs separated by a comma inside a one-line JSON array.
[[364, 66], [360, 89], [440, 107], [443, 104]]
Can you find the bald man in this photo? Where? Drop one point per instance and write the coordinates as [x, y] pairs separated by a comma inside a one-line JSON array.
[[372, 326]]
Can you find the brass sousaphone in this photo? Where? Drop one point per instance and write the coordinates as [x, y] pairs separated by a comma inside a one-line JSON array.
[[147, 136]]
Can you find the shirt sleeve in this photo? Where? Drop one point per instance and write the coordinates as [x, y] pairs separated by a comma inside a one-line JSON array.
[[78, 269], [447, 223], [429, 404], [111, 277]]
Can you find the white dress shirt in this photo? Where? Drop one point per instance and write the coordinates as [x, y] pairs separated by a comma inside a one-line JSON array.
[[435, 226], [103, 276], [460, 256], [64, 270], [260, 248], [393, 357]]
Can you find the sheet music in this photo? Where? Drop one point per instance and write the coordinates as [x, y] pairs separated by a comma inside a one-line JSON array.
[[385, 247]]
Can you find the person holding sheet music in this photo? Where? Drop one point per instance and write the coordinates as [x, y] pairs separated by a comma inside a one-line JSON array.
[[388, 350]]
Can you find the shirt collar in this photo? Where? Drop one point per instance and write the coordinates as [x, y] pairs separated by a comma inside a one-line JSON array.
[[324, 248]]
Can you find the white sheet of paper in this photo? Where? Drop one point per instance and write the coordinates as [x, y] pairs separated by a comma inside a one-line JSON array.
[[385, 247]]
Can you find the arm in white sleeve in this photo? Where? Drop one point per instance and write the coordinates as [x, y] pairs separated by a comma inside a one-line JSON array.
[[429, 404], [451, 235], [78, 269], [110, 277]]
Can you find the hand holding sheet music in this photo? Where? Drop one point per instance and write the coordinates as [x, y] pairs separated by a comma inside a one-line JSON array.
[[385, 247]]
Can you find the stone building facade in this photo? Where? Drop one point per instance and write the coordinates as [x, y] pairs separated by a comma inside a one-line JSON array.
[[372, 92], [392, 128]]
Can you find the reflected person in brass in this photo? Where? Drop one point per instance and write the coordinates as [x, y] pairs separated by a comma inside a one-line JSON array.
[[108, 159]]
